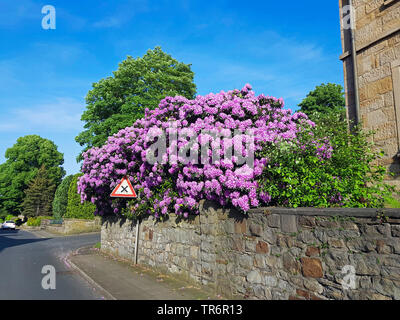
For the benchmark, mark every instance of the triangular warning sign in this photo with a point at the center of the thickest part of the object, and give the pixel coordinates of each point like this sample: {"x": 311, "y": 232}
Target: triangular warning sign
{"x": 124, "y": 189}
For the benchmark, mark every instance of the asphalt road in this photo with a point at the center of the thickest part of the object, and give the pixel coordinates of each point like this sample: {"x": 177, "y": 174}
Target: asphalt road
{"x": 22, "y": 257}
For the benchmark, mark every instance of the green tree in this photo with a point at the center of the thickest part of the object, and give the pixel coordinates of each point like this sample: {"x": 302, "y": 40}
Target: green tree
{"x": 22, "y": 164}
{"x": 325, "y": 98}
{"x": 3, "y": 213}
{"x": 60, "y": 201}
{"x": 39, "y": 195}
{"x": 76, "y": 209}
{"x": 116, "y": 102}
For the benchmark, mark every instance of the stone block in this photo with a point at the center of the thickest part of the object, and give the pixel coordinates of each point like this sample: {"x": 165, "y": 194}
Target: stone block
{"x": 259, "y": 292}
{"x": 360, "y": 245}
{"x": 376, "y": 88}
{"x": 269, "y": 235}
{"x": 392, "y": 273}
{"x": 382, "y": 248}
{"x": 245, "y": 261}
{"x": 290, "y": 264}
{"x": 376, "y": 231}
{"x": 307, "y": 237}
{"x": 273, "y": 262}
{"x": 284, "y": 285}
{"x": 313, "y": 285}
{"x": 336, "y": 259}
{"x": 396, "y": 231}
{"x": 240, "y": 226}
{"x": 288, "y": 223}
{"x": 194, "y": 252}
{"x": 311, "y": 267}
{"x": 375, "y": 75}
{"x": 270, "y": 281}
{"x": 365, "y": 264}
{"x": 250, "y": 245}
{"x": 254, "y": 277}
{"x": 372, "y": 5}
{"x": 284, "y": 241}
{"x": 229, "y": 226}
{"x": 255, "y": 229}
{"x": 303, "y": 293}
{"x": 306, "y": 221}
{"x": 148, "y": 236}
{"x": 262, "y": 247}
{"x": 274, "y": 220}
{"x": 312, "y": 252}
{"x": 238, "y": 244}
{"x": 259, "y": 261}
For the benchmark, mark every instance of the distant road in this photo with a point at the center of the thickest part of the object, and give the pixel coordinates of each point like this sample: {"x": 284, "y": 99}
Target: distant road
{"x": 22, "y": 257}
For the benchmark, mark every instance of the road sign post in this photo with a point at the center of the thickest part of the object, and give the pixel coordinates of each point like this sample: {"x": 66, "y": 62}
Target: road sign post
{"x": 125, "y": 190}
{"x": 137, "y": 240}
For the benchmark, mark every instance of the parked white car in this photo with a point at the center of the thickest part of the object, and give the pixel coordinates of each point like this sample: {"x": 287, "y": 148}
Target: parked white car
{"x": 8, "y": 225}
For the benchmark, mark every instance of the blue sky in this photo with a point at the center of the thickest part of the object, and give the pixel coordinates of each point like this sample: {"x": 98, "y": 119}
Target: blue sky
{"x": 282, "y": 48}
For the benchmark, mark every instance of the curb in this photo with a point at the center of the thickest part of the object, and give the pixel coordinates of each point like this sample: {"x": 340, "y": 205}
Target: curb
{"x": 108, "y": 295}
{"x": 42, "y": 233}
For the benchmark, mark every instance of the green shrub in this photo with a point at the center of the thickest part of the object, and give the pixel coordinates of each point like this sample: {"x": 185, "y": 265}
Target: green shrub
{"x": 97, "y": 245}
{"x": 34, "y": 221}
{"x": 10, "y": 217}
{"x": 76, "y": 209}
{"x": 392, "y": 203}
{"x": 1, "y": 221}
{"x": 60, "y": 201}
{"x": 295, "y": 177}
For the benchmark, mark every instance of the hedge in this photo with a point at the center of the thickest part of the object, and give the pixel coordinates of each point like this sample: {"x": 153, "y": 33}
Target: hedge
{"x": 76, "y": 209}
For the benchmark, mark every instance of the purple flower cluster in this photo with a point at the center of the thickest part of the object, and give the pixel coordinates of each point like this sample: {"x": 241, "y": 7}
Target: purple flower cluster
{"x": 226, "y": 181}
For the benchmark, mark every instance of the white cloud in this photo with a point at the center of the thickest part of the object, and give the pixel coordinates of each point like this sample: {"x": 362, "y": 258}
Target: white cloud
{"x": 8, "y": 127}
{"x": 109, "y": 22}
{"x": 122, "y": 14}
{"x": 16, "y": 13}
{"x": 59, "y": 115}
{"x": 275, "y": 64}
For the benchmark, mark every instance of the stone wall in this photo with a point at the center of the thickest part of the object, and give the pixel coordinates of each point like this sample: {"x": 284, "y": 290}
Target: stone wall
{"x": 72, "y": 226}
{"x": 377, "y": 41}
{"x": 273, "y": 253}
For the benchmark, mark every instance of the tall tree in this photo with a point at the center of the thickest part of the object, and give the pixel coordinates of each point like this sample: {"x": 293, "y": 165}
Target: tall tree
{"x": 116, "y": 102}
{"x": 23, "y": 161}
{"x": 39, "y": 195}
{"x": 324, "y": 98}
{"x": 61, "y": 198}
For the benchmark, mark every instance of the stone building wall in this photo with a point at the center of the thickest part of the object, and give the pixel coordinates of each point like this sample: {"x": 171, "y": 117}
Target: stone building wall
{"x": 377, "y": 42}
{"x": 273, "y": 253}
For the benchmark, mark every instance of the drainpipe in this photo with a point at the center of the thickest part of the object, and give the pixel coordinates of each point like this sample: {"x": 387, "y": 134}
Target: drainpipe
{"x": 354, "y": 61}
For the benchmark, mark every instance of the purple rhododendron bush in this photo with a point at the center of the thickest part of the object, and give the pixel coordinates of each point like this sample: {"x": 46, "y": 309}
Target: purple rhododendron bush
{"x": 228, "y": 147}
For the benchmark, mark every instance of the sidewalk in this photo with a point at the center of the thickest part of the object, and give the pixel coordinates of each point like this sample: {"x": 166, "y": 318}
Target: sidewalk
{"x": 121, "y": 280}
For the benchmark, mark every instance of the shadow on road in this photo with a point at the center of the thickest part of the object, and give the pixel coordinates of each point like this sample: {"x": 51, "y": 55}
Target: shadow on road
{"x": 9, "y": 238}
